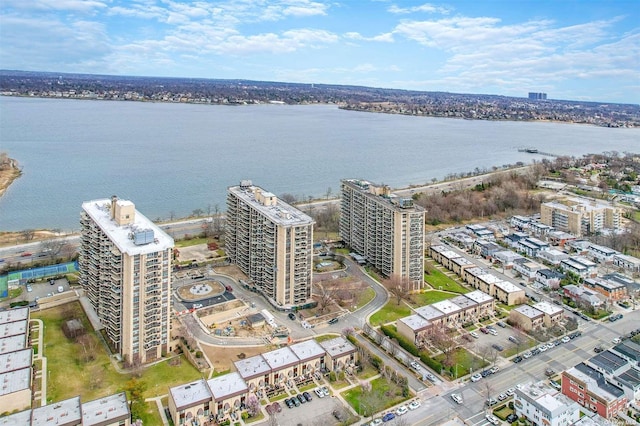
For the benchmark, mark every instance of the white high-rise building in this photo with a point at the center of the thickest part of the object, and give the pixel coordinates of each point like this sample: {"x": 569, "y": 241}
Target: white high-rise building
{"x": 271, "y": 242}
{"x": 125, "y": 269}
{"x": 386, "y": 229}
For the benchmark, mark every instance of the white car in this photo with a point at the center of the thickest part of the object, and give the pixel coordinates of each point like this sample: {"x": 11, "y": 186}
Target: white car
{"x": 474, "y": 335}
{"x": 543, "y": 348}
{"x": 319, "y": 392}
{"x": 492, "y": 419}
{"x": 527, "y": 355}
{"x": 457, "y": 398}
{"x": 492, "y": 331}
{"x": 511, "y": 391}
{"x": 551, "y": 345}
{"x": 616, "y": 340}
{"x": 414, "y": 405}
{"x": 415, "y": 365}
{"x": 476, "y": 377}
{"x": 376, "y": 422}
{"x": 565, "y": 339}
{"x": 402, "y": 410}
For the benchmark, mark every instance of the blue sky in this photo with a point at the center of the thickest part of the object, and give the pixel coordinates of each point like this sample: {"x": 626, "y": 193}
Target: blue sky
{"x": 581, "y": 50}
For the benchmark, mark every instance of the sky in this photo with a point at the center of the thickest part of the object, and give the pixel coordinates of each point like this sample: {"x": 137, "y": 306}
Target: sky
{"x": 570, "y": 49}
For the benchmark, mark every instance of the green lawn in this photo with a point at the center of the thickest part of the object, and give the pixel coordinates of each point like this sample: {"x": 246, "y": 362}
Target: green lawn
{"x": 390, "y": 312}
{"x": 439, "y": 281}
{"x": 324, "y": 337}
{"x": 191, "y": 242}
{"x": 529, "y": 343}
{"x": 385, "y": 394}
{"x": 69, "y": 375}
{"x": 365, "y": 297}
{"x": 429, "y": 297}
{"x": 464, "y": 360}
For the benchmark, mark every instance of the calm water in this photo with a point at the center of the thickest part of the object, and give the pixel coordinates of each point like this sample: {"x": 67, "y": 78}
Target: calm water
{"x": 178, "y": 158}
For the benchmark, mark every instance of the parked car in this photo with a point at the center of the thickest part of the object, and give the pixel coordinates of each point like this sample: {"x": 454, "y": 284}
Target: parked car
{"x": 549, "y": 372}
{"x": 289, "y": 403}
{"x": 492, "y": 331}
{"x": 616, "y": 340}
{"x": 333, "y": 320}
{"x": 476, "y": 377}
{"x": 512, "y": 418}
{"x": 414, "y": 365}
{"x": 510, "y": 391}
{"x": 484, "y": 330}
{"x": 513, "y": 339}
{"x": 485, "y": 373}
{"x": 502, "y": 397}
{"x": 492, "y": 419}
{"x": 527, "y": 354}
{"x": 388, "y": 417}
{"x": 430, "y": 377}
{"x": 291, "y": 316}
{"x": 517, "y": 359}
{"x": 376, "y": 422}
{"x": 295, "y": 401}
{"x": 338, "y": 415}
{"x": 566, "y": 339}
{"x": 307, "y": 396}
{"x": 402, "y": 410}
{"x": 494, "y": 369}
{"x": 491, "y": 402}
{"x": 598, "y": 349}
{"x": 319, "y": 392}
{"x": 29, "y": 288}
{"x": 474, "y": 335}
{"x": 497, "y": 347}
{"x": 325, "y": 390}
{"x": 502, "y": 324}
{"x": 414, "y": 405}
{"x": 457, "y": 398}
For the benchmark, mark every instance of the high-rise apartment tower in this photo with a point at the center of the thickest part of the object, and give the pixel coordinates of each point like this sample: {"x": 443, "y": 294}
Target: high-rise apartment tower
{"x": 271, "y": 242}
{"x": 125, "y": 269}
{"x": 386, "y": 229}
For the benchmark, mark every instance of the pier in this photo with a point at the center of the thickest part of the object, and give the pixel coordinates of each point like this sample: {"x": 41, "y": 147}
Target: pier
{"x": 536, "y": 151}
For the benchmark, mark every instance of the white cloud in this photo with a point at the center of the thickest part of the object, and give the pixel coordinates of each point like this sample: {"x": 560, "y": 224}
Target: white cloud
{"x": 385, "y": 37}
{"x": 426, "y": 8}
{"x": 306, "y": 9}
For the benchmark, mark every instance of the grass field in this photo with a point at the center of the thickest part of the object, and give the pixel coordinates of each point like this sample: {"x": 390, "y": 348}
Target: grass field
{"x": 70, "y": 375}
{"x": 365, "y": 297}
{"x": 429, "y": 297}
{"x": 386, "y": 395}
{"x": 390, "y": 312}
{"x": 439, "y": 281}
{"x": 464, "y": 360}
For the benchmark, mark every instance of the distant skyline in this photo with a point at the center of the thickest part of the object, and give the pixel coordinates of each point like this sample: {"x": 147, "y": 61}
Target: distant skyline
{"x": 571, "y": 49}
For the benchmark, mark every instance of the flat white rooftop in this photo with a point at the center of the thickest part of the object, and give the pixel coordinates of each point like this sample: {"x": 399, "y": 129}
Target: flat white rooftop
{"x": 110, "y": 408}
{"x": 280, "y": 213}
{"x": 15, "y": 360}
{"x": 415, "y": 322}
{"x": 337, "y": 347}
{"x": 15, "y": 328}
{"x": 508, "y": 287}
{"x": 548, "y": 308}
{"x": 429, "y": 312}
{"x": 252, "y": 367}
{"x": 280, "y": 358}
{"x": 99, "y": 211}
{"x": 58, "y": 413}
{"x": 226, "y": 386}
{"x": 447, "y": 307}
{"x": 309, "y": 349}
{"x": 528, "y": 311}
{"x": 13, "y": 343}
{"x": 16, "y": 314}
{"x": 21, "y": 418}
{"x": 191, "y": 393}
{"x": 14, "y": 381}
{"x": 479, "y": 297}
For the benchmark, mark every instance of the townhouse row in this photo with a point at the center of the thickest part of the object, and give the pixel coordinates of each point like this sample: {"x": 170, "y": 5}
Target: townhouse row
{"x": 258, "y": 375}
{"x": 483, "y": 280}
{"x": 455, "y": 312}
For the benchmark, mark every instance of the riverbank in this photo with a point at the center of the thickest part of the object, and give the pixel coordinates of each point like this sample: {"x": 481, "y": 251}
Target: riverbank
{"x": 9, "y": 171}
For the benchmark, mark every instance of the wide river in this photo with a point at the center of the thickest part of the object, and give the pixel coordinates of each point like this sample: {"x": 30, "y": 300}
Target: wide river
{"x": 171, "y": 159}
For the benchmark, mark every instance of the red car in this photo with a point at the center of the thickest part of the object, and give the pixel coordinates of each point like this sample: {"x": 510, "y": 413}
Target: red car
{"x": 25, "y": 254}
{"x": 484, "y": 330}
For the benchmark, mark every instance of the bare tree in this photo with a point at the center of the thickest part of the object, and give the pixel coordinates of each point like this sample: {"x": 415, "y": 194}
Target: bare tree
{"x": 398, "y": 287}
{"x": 443, "y": 338}
{"x": 28, "y": 234}
{"x": 53, "y": 247}
{"x": 325, "y": 297}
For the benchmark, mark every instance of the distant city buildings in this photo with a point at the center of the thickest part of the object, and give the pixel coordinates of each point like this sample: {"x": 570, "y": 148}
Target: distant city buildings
{"x": 272, "y": 243}
{"x": 386, "y": 229}
{"x": 125, "y": 270}
{"x": 537, "y": 96}
{"x": 580, "y": 217}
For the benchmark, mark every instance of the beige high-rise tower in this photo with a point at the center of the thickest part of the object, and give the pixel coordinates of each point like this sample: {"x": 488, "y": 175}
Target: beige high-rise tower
{"x": 125, "y": 269}
{"x": 386, "y": 229}
{"x": 271, "y": 242}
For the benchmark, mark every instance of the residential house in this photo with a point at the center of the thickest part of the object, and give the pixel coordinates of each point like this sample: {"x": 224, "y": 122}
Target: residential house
{"x": 626, "y": 262}
{"x": 541, "y": 405}
{"x": 601, "y": 254}
{"x": 580, "y": 266}
{"x": 527, "y": 268}
{"x": 549, "y": 278}
{"x": 527, "y": 317}
{"x": 552, "y": 314}
{"x": 609, "y": 289}
{"x": 588, "y": 387}
{"x": 552, "y": 256}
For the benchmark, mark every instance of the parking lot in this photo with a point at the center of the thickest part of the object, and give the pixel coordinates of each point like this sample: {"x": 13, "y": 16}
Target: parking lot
{"x": 315, "y": 412}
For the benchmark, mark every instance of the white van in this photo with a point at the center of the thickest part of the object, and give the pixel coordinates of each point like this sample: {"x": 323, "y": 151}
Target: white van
{"x": 60, "y": 289}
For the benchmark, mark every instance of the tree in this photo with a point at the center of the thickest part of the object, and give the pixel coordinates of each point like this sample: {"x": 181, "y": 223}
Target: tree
{"x": 53, "y": 247}
{"x": 328, "y": 193}
{"x": 288, "y": 198}
{"x": 325, "y": 297}
{"x": 197, "y": 212}
{"x": 253, "y": 405}
{"x": 136, "y": 388}
{"x": 398, "y": 287}
{"x": 443, "y": 338}
{"x": 28, "y": 234}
